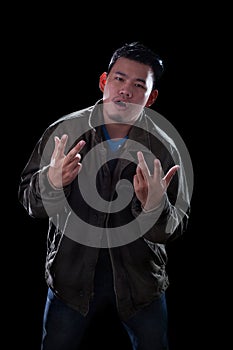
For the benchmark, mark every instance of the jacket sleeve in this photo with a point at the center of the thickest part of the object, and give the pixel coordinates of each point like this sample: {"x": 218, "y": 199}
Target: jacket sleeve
{"x": 35, "y": 193}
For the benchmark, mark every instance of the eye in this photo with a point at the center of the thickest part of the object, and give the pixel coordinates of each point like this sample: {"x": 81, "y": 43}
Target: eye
{"x": 140, "y": 86}
{"x": 119, "y": 78}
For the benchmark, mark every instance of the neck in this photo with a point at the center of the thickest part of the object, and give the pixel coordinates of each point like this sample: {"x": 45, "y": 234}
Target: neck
{"x": 118, "y": 131}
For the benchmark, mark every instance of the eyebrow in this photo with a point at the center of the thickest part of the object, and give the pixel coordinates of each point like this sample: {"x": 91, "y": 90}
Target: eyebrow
{"x": 125, "y": 75}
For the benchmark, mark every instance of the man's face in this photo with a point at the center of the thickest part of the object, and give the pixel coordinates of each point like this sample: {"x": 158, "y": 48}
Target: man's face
{"x": 126, "y": 91}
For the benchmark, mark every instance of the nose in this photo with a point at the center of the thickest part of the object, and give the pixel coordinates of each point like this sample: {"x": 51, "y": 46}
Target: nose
{"x": 126, "y": 91}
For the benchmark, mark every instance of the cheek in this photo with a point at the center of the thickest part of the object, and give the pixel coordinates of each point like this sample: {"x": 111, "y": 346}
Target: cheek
{"x": 146, "y": 98}
{"x": 109, "y": 91}
{"x": 141, "y": 98}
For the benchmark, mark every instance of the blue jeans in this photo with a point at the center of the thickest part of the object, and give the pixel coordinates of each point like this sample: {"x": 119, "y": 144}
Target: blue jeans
{"x": 64, "y": 328}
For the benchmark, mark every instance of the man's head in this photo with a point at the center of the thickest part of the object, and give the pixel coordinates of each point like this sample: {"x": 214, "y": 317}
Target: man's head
{"x": 129, "y": 83}
{"x": 138, "y": 52}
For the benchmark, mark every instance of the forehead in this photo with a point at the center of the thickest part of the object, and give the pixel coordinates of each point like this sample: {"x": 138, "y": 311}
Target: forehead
{"x": 132, "y": 69}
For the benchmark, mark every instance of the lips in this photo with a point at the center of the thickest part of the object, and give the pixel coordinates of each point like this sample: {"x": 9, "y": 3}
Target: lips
{"x": 120, "y": 103}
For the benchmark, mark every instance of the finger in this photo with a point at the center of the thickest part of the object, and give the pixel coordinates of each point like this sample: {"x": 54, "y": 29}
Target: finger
{"x": 136, "y": 183}
{"x": 139, "y": 178}
{"x": 171, "y": 172}
{"x": 61, "y": 144}
{"x": 158, "y": 171}
{"x": 80, "y": 145}
{"x": 142, "y": 164}
{"x": 56, "y": 142}
{"x": 140, "y": 175}
{"x": 135, "y": 180}
{"x": 74, "y": 153}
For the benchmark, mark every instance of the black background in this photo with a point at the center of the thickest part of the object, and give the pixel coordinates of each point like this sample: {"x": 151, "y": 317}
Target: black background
{"x": 55, "y": 63}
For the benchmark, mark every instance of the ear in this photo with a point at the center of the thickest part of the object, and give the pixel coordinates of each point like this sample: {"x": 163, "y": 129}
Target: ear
{"x": 153, "y": 96}
{"x": 102, "y": 81}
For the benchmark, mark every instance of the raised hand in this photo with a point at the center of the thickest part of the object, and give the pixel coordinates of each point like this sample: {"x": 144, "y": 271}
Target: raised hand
{"x": 149, "y": 188}
{"x": 64, "y": 168}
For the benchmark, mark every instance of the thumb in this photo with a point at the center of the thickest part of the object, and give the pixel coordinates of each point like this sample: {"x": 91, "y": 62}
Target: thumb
{"x": 171, "y": 172}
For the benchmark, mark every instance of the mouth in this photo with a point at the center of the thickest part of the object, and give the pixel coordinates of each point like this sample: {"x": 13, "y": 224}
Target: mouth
{"x": 120, "y": 103}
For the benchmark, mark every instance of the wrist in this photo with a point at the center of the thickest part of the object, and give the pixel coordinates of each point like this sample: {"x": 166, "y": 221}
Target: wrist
{"x": 52, "y": 185}
{"x": 148, "y": 209}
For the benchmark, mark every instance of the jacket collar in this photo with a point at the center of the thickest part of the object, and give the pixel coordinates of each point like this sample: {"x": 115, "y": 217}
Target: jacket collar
{"x": 139, "y": 132}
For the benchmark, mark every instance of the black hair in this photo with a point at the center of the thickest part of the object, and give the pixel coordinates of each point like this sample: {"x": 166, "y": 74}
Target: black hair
{"x": 136, "y": 51}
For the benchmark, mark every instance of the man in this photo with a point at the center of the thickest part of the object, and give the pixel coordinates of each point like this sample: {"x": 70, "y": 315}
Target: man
{"x": 114, "y": 189}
